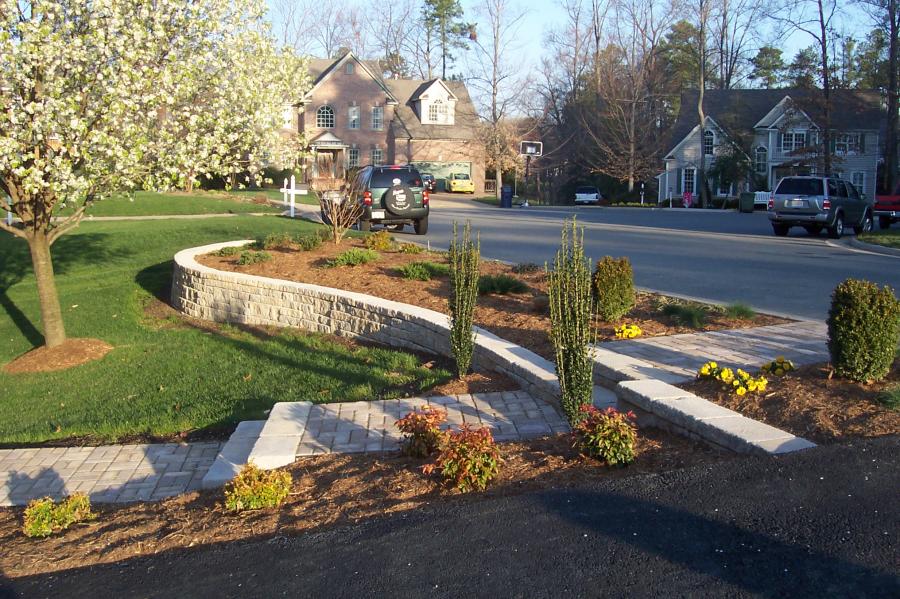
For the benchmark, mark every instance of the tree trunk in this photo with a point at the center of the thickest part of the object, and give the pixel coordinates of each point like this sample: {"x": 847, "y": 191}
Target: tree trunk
{"x": 499, "y": 178}
{"x": 826, "y": 91}
{"x": 890, "y": 161}
{"x": 51, "y": 314}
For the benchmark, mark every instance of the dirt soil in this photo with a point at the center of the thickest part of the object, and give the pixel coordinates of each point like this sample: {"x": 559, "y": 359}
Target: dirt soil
{"x": 520, "y": 318}
{"x": 73, "y": 352}
{"x": 809, "y": 403}
{"x": 330, "y": 490}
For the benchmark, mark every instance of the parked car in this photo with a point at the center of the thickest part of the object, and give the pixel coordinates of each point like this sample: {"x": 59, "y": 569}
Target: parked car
{"x": 392, "y": 195}
{"x": 587, "y": 195}
{"x": 460, "y": 183}
{"x": 887, "y": 208}
{"x": 817, "y": 203}
{"x": 429, "y": 182}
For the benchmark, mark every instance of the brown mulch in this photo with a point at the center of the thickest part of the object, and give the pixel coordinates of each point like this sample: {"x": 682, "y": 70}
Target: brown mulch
{"x": 328, "y": 491}
{"x": 73, "y": 352}
{"x": 810, "y": 403}
{"x": 520, "y": 318}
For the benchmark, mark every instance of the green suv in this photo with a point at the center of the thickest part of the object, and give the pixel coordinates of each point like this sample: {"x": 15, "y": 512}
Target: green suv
{"x": 391, "y": 195}
{"x": 817, "y": 203}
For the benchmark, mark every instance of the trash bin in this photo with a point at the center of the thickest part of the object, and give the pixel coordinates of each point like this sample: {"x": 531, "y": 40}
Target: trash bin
{"x": 745, "y": 203}
{"x": 506, "y": 193}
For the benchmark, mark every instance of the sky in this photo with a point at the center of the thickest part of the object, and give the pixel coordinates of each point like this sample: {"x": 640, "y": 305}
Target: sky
{"x": 543, "y": 16}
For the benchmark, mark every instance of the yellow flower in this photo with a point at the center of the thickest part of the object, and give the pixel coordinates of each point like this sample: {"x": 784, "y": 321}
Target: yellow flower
{"x": 779, "y": 359}
{"x": 779, "y": 371}
{"x": 713, "y": 365}
{"x": 741, "y": 391}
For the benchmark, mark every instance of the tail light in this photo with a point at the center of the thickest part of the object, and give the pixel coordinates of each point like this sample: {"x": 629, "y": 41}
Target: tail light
{"x": 771, "y": 202}
{"x": 367, "y": 198}
{"x": 425, "y": 197}
{"x": 826, "y": 204}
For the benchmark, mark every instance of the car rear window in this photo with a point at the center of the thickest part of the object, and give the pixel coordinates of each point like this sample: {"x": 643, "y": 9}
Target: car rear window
{"x": 461, "y": 177}
{"x": 382, "y": 179}
{"x": 586, "y": 190}
{"x": 800, "y": 187}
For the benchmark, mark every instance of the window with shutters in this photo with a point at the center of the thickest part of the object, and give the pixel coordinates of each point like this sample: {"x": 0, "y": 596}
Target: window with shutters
{"x": 709, "y": 143}
{"x": 791, "y": 141}
{"x": 688, "y": 182}
{"x": 846, "y": 144}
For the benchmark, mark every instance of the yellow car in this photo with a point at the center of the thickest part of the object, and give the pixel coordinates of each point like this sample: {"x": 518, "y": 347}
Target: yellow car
{"x": 461, "y": 183}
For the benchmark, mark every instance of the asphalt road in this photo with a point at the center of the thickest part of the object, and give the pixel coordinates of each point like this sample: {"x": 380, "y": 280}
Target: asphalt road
{"x": 720, "y": 256}
{"x": 819, "y": 523}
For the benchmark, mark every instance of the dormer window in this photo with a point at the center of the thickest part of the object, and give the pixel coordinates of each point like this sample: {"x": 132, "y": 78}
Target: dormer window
{"x": 437, "y": 113}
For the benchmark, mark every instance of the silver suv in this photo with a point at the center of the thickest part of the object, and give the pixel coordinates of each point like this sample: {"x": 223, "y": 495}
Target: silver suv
{"x": 817, "y": 203}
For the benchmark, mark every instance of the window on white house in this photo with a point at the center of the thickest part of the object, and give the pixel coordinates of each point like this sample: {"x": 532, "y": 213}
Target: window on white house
{"x": 688, "y": 183}
{"x": 858, "y": 178}
{"x": 378, "y": 118}
{"x": 437, "y": 112}
{"x": 762, "y": 160}
{"x": 377, "y": 156}
{"x": 792, "y": 141}
{"x": 325, "y": 117}
{"x": 353, "y": 158}
{"x": 353, "y": 117}
{"x": 846, "y": 144}
{"x": 709, "y": 143}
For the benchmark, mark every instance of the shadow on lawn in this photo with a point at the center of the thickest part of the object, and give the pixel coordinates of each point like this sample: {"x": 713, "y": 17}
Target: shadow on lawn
{"x": 15, "y": 266}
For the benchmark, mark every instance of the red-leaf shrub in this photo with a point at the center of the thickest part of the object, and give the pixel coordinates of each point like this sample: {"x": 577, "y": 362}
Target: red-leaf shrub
{"x": 468, "y": 460}
{"x": 422, "y": 435}
{"x": 607, "y": 435}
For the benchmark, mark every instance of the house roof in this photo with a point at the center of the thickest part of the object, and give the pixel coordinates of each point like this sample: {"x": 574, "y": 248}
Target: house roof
{"x": 321, "y": 68}
{"x": 737, "y": 111}
{"x": 408, "y": 125}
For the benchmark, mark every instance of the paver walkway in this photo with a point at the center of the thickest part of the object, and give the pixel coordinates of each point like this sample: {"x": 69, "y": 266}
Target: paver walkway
{"x": 369, "y": 425}
{"x": 681, "y": 355}
{"x": 112, "y": 473}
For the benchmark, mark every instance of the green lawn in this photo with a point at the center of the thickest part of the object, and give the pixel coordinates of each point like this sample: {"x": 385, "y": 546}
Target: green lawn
{"x": 147, "y": 203}
{"x": 888, "y": 237}
{"x": 165, "y": 376}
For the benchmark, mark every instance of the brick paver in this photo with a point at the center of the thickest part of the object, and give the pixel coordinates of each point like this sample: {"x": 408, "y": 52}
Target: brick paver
{"x": 682, "y": 355}
{"x": 114, "y": 473}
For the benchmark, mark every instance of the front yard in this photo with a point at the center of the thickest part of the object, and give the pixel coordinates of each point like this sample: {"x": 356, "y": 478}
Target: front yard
{"x": 888, "y": 237}
{"x": 166, "y": 375}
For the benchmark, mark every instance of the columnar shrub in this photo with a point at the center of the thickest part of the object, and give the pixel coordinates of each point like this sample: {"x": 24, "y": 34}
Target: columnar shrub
{"x": 464, "y": 257}
{"x": 468, "y": 460}
{"x": 254, "y": 489}
{"x": 43, "y": 517}
{"x": 607, "y": 435}
{"x": 422, "y": 434}
{"x": 863, "y": 330}
{"x": 613, "y": 286}
{"x": 571, "y": 327}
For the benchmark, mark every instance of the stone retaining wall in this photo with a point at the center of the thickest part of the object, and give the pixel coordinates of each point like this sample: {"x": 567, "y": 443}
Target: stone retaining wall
{"x": 220, "y": 296}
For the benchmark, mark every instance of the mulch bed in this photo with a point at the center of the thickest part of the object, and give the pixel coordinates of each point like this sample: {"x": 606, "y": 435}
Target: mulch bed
{"x": 520, "y": 318}
{"x": 73, "y": 352}
{"x": 331, "y": 490}
{"x": 810, "y": 403}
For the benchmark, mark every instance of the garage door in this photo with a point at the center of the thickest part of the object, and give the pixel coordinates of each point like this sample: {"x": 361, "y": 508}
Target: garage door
{"x": 442, "y": 170}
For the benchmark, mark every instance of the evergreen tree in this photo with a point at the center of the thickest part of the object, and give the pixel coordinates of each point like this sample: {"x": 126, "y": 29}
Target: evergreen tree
{"x": 803, "y": 70}
{"x": 768, "y": 67}
{"x": 444, "y": 18}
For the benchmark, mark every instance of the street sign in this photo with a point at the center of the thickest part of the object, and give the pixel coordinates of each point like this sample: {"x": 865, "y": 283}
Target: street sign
{"x": 531, "y": 148}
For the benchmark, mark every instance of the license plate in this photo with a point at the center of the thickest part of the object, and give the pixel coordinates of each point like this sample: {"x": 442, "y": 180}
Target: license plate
{"x": 378, "y": 214}
{"x": 797, "y": 203}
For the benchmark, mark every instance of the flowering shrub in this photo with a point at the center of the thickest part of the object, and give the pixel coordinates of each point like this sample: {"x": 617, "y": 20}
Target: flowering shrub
{"x": 43, "y": 517}
{"x": 779, "y": 366}
{"x": 422, "y": 431}
{"x": 608, "y": 435}
{"x": 469, "y": 459}
{"x": 254, "y": 489}
{"x": 628, "y": 331}
{"x": 738, "y": 381}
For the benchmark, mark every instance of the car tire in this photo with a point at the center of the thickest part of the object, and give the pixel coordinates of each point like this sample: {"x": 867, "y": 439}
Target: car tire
{"x": 866, "y": 225}
{"x": 836, "y": 230}
{"x": 884, "y": 222}
{"x": 780, "y": 230}
{"x": 365, "y": 225}
{"x": 813, "y": 230}
{"x": 421, "y": 226}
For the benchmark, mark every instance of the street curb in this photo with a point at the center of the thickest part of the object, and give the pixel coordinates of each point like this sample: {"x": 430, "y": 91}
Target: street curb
{"x": 874, "y": 248}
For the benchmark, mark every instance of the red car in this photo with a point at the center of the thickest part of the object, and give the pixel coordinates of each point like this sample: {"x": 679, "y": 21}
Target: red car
{"x": 887, "y": 208}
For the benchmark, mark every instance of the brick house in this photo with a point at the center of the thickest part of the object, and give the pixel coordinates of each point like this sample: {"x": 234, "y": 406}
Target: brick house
{"x": 353, "y": 117}
{"x": 779, "y": 130}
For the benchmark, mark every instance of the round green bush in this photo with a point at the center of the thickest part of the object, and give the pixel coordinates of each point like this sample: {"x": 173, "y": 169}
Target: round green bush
{"x": 613, "y": 287}
{"x": 863, "y": 330}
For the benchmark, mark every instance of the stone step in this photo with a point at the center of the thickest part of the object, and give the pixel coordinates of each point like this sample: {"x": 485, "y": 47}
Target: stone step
{"x": 234, "y": 454}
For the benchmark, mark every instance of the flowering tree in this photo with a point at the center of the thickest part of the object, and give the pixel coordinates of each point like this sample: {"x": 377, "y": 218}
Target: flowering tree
{"x": 87, "y": 88}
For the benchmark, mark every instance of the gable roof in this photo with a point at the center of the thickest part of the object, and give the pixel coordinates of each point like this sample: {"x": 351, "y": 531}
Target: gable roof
{"x": 426, "y": 86}
{"x": 408, "y": 125}
{"x": 737, "y": 111}
{"x": 320, "y": 69}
